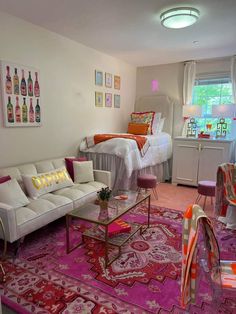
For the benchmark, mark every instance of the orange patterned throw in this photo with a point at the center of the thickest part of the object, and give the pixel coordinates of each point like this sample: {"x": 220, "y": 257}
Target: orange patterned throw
{"x": 141, "y": 141}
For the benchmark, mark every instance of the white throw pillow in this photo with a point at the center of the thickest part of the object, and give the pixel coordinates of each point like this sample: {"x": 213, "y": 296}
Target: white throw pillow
{"x": 12, "y": 194}
{"x": 44, "y": 183}
{"x": 155, "y": 123}
{"x": 160, "y": 126}
{"x": 83, "y": 171}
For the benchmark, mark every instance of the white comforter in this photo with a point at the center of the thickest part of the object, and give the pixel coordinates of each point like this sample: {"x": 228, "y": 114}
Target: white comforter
{"x": 160, "y": 150}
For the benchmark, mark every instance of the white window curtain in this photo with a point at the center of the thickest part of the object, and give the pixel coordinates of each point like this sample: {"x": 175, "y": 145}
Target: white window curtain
{"x": 189, "y": 79}
{"x": 233, "y": 77}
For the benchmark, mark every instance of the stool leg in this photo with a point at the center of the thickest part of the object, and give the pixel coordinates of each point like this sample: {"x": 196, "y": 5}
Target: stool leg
{"x": 204, "y": 204}
{"x": 155, "y": 193}
{"x": 198, "y": 198}
{"x": 211, "y": 200}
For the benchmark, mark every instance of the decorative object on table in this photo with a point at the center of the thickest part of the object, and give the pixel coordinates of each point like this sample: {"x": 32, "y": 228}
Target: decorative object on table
{"x": 108, "y": 80}
{"x": 103, "y": 196}
{"x": 203, "y": 135}
{"x": 108, "y": 100}
{"x": 98, "y": 99}
{"x": 222, "y": 112}
{"x": 98, "y": 78}
{"x": 116, "y": 82}
{"x": 116, "y": 101}
{"x": 192, "y": 111}
{"x": 20, "y": 95}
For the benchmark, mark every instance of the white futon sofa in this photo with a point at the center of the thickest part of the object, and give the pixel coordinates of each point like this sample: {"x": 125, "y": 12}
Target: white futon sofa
{"x": 48, "y": 207}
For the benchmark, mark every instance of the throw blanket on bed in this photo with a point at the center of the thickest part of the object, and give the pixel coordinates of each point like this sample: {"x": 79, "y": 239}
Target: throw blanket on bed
{"x": 193, "y": 216}
{"x": 142, "y": 142}
{"x": 225, "y": 188}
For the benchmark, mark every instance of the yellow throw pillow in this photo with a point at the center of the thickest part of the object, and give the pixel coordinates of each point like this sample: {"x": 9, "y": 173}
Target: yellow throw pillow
{"x": 44, "y": 183}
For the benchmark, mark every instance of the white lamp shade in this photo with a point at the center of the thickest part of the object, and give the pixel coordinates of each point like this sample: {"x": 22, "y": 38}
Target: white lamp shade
{"x": 192, "y": 111}
{"x": 224, "y": 111}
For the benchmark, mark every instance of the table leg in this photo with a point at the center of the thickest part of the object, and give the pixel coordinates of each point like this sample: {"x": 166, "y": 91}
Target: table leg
{"x": 106, "y": 246}
{"x": 68, "y": 248}
{"x": 149, "y": 209}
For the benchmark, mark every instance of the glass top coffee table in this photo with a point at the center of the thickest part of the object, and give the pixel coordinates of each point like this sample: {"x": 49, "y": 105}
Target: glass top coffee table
{"x": 116, "y": 209}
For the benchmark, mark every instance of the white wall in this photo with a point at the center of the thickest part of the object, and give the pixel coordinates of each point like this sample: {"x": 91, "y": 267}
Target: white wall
{"x": 170, "y": 79}
{"x": 68, "y": 92}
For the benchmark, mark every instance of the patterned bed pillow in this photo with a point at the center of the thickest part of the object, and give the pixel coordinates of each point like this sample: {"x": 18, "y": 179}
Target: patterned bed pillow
{"x": 143, "y": 117}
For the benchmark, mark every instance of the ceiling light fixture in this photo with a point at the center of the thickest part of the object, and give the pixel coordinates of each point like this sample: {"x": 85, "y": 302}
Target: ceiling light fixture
{"x": 179, "y": 17}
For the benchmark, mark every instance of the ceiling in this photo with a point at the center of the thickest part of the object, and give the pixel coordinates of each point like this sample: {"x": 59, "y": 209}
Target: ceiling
{"x": 130, "y": 29}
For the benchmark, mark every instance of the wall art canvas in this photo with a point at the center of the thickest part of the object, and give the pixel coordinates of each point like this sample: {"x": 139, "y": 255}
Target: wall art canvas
{"x": 108, "y": 80}
{"x": 98, "y": 77}
{"x": 21, "y": 95}
{"x": 108, "y": 100}
{"x": 116, "y": 82}
{"x": 98, "y": 99}
{"x": 117, "y": 101}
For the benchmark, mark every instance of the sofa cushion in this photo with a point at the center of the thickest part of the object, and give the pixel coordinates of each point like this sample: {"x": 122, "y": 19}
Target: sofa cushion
{"x": 58, "y": 200}
{"x": 24, "y": 214}
{"x": 44, "y": 183}
{"x": 83, "y": 171}
{"x": 12, "y": 194}
{"x": 72, "y": 194}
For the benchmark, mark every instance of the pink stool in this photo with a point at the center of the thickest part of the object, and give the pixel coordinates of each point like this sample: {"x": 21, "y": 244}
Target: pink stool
{"x": 147, "y": 181}
{"x": 206, "y": 188}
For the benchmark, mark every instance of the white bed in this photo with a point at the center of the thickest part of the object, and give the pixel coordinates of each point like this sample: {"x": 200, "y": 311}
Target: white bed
{"x": 122, "y": 157}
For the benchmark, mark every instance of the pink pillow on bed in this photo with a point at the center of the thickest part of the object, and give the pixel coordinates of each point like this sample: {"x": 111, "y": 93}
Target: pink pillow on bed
{"x": 4, "y": 179}
{"x": 69, "y": 164}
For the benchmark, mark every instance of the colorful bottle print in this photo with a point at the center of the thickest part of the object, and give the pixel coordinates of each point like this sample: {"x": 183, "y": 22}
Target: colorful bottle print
{"x": 8, "y": 81}
{"x": 16, "y": 83}
{"x": 36, "y": 86}
{"x": 17, "y": 111}
{"x": 23, "y": 88}
{"x": 10, "y": 114}
{"x": 24, "y": 112}
{"x": 30, "y": 85}
{"x": 37, "y": 112}
{"x": 31, "y": 112}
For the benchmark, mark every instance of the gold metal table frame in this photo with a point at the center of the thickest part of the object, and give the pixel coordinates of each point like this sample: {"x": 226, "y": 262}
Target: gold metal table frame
{"x": 117, "y": 208}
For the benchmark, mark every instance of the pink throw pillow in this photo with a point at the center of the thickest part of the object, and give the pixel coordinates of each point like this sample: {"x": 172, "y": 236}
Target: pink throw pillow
{"x": 69, "y": 165}
{"x": 5, "y": 179}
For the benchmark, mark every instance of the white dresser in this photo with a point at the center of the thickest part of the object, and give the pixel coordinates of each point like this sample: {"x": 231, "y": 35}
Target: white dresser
{"x": 198, "y": 159}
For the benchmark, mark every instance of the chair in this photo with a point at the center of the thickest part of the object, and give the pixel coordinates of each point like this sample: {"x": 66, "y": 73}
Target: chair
{"x": 203, "y": 255}
{"x": 226, "y": 193}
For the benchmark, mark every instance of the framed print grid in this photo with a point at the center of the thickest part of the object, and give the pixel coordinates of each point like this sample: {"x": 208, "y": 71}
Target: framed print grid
{"x": 98, "y": 99}
{"x": 21, "y": 95}
{"x": 108, "y": 99}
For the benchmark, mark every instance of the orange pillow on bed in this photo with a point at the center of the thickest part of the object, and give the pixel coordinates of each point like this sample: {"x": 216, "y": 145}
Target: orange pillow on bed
{"x": 138, "y": 128}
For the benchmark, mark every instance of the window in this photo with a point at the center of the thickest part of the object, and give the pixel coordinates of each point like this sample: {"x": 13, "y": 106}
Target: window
{"x": 208, "y": 92}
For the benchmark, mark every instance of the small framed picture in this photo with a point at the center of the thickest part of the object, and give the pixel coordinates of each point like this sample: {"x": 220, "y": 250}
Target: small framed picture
{"x": 98, "y": 99}
{"x": 108, "y": 80}
{"x": 116, "y": 82}
{"x": 116, "y": 101}
{"x": 98, "y": 78}
{"x": 108, "y": 100}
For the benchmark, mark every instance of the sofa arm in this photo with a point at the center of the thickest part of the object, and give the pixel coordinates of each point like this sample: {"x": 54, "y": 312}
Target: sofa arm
{"x": 103, "y": 177}
{"x": 8, "y": 216}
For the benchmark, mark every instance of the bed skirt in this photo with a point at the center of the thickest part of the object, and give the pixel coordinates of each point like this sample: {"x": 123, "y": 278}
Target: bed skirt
{"x": 119, "y": 178}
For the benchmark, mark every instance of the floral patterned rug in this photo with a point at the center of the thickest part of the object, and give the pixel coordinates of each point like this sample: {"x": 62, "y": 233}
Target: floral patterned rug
{"x": 144, "y": 279}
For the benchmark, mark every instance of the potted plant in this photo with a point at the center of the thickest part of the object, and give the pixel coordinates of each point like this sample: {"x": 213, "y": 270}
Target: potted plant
{"x": 103, "y": 197}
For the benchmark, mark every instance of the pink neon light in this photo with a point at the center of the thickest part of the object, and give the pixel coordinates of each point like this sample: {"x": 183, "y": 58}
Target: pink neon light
{"x": 155, "y": 85}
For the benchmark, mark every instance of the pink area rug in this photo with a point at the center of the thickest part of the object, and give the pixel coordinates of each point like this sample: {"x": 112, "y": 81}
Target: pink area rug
{"x": 145, "y": 279}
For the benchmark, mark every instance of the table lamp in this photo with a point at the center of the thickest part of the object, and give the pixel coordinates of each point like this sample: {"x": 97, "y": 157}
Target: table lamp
{"x": 192, "y": 111}
{"x": 222, "y": 112}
